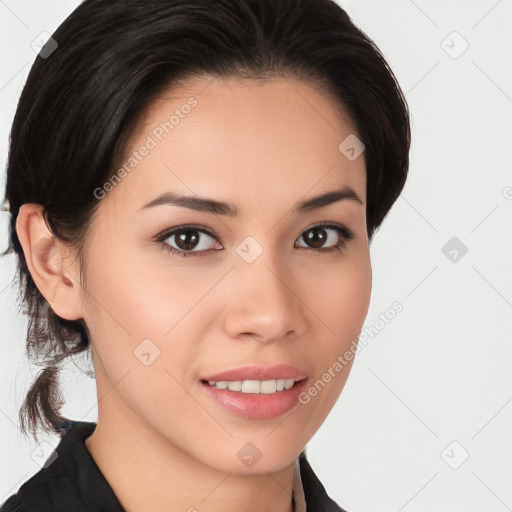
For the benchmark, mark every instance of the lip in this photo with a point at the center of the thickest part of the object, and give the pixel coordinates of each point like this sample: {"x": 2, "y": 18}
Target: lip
{"x": 278, "y": 371}
{"x": 255, "y": 406}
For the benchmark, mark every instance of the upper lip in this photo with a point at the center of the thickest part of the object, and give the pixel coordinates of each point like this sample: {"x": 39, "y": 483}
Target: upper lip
{"x": 279, "y": 371}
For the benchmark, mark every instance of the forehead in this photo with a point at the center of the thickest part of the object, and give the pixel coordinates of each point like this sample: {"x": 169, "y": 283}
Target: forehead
{"x": 231, "y": 138}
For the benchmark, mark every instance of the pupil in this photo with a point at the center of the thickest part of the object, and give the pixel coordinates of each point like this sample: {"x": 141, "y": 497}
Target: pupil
{"x": 316, "y": 240}
{"x": 184, "y": 239}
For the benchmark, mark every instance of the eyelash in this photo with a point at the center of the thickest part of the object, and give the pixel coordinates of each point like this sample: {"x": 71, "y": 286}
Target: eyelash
{"x": 345, "y": 236}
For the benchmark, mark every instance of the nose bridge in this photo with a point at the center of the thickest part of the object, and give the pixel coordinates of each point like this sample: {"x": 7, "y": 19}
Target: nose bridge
{"x": 261, "y": 299}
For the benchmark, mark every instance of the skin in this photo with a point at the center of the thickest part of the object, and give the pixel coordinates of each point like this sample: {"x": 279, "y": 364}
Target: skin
{"x": 160, "y": 442}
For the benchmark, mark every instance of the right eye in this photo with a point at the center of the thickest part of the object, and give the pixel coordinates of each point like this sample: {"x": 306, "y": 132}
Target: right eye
{"x": 188, "y": 240}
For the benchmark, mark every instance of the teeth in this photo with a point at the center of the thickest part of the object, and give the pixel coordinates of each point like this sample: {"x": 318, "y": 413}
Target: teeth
{"x": 266, "y": 387}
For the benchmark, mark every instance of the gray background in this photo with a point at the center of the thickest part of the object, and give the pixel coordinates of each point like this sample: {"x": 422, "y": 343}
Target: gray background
{"x": 421, "y": 422}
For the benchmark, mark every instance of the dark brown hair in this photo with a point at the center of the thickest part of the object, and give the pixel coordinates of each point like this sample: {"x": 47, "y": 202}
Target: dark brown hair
{"x": 81, "y": 103}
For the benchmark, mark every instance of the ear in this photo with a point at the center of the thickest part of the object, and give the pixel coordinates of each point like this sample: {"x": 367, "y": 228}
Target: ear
{"x": 54, "y": 273}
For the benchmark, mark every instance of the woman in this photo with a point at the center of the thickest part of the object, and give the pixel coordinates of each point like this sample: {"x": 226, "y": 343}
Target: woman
{"x": 193, "y": 188}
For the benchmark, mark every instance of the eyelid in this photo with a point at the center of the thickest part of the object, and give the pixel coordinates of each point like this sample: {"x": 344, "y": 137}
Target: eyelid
{"x": 348, "y": 233}
{"x": 170, "y": 231}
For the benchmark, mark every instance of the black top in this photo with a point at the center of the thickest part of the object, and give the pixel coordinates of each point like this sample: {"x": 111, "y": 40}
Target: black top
{"x": 73, "y": 482}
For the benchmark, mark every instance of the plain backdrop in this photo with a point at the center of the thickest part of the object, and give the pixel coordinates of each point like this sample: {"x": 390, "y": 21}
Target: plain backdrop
{"x": 425, "y": 418}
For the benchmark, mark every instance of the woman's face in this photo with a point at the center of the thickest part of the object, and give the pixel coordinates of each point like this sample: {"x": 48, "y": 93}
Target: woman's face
{"x": 257, "y": 287}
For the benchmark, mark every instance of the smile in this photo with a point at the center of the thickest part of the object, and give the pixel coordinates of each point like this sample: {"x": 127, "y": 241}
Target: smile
{"x": 266, "y": 387}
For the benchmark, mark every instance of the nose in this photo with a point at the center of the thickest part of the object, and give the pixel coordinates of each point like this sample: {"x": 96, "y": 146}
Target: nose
{"x": 262, "y": 301}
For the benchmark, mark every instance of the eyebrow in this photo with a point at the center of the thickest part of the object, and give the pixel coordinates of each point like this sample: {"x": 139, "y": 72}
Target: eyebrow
{"x": 202, "y": 204}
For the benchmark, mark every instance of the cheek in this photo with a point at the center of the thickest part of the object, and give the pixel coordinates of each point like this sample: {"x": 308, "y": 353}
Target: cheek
{"x": 144, "y": 325}
{"x": 341, "y": 299}
{"x": 341, "y": 304}
{"x": 137, "y": 318}
{"x": 139, "y": 297}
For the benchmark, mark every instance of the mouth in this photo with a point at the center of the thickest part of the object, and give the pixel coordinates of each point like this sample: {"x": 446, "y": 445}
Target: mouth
{"x": 264, "y": 387}
{"x": 255, "y": 399}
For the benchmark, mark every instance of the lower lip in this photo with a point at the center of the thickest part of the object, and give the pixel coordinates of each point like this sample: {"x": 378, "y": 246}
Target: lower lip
{"x": 257, "y": 405}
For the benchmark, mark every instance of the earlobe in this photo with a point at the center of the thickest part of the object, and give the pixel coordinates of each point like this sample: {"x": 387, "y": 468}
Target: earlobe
{"x": 45, "y": 257}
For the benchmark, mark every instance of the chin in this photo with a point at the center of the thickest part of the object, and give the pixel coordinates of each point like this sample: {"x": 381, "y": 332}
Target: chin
{"x": 243, "y": 457}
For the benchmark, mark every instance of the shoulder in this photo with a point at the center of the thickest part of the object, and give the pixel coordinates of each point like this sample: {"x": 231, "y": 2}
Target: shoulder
{"x": 317, "y": 499}
{"x": 55, "y": 486}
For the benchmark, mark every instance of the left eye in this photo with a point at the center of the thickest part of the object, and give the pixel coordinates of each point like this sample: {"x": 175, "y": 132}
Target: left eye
{"x": 320, "y": 234}
{"x": 189, "y": 241}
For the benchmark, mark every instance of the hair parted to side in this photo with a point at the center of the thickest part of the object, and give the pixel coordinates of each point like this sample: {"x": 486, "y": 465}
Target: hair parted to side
{"x": 80, "y": 105}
